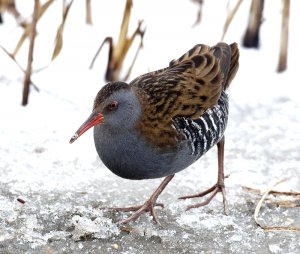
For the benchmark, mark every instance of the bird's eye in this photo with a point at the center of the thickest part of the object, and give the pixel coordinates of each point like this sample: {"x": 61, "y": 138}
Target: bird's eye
{"x": 112, "y": 106}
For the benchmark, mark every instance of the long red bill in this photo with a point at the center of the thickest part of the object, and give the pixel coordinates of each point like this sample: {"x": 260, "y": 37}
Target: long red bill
{"x": 94, "y": 119}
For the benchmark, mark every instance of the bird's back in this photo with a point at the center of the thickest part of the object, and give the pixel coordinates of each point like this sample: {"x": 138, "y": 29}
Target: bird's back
{"x": 186, "y": 89}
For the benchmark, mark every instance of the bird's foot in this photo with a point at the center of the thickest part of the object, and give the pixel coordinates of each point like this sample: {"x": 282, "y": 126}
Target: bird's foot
{"x": 148, "y": 206}
{"x": 213, "y": 192}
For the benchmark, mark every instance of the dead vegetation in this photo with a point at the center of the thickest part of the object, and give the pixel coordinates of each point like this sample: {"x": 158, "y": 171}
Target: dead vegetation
{"x": 200, "y": 10}
{"x": 117, "y": 52}
{"x": 27, "y": 79}
{"x": 10, "y": 7}
{"x": 284, "y": 38}
{"x": 252, "y": 33}
{"x": 251, "y": 36}
{"x": 118, "y": 49}
{"x": 288, "y": 203}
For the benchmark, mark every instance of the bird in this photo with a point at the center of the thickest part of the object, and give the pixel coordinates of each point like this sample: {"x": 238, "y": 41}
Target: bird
{"x": 163, "y": 121}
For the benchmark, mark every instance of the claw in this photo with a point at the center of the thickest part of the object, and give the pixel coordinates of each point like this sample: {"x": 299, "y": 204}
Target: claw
{"x": 148, "y": 206}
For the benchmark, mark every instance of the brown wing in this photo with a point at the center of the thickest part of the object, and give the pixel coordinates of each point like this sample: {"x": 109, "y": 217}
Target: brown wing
{"x": 229, "y": 57}
{"x": 196, "y": 50}
{"x": 188, "y": 87}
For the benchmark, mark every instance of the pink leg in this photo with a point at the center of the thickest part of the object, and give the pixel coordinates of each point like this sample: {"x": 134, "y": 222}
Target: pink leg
{"x": 218, "y": 187}
{"x": 148, "y": 206}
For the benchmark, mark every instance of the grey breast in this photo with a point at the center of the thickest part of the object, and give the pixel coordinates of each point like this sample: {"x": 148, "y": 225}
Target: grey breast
{"x": 128, "y": 155}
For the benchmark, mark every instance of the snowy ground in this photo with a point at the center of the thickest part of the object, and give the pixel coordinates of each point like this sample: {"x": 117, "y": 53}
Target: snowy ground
{"x": 64, "y": 186}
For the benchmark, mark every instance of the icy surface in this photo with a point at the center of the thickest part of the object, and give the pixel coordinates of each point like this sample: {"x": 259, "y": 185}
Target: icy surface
{"x": 62, "y": 188}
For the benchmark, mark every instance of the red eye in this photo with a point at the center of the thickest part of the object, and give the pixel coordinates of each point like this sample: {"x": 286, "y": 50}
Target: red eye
{"x": 112, "y": 106}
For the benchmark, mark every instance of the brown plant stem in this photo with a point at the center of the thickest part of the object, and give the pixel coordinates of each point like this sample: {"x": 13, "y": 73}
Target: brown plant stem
{"x": 199, "y": 14}
{"x": 230, "y": 17}
{"x": 117, "y": 52}
{"x": 27, "y": 78}
{"x": 20, "y": 67}
{"x": 108, "y": 40}
{"x": 272, "y": 192}
{"x": 284, "y": 38}
{"x": 251, "y": 37}
{"x": 258, "y": 207}
{"x": 88, "y": 19}
{"x": 27, "y": 31}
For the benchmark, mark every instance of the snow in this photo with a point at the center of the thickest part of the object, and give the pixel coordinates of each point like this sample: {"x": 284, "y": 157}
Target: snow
{"x": 64, "y": 186}
{"x": 98, "y": 228}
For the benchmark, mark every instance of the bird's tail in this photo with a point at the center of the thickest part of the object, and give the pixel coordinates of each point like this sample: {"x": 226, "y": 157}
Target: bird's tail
{"x": 234, "y": 64}
{"x": 228, "y": 56}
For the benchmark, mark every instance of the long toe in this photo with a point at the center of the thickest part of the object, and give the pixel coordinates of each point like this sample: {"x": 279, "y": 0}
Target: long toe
{"x": 206, "y": 202}
{"x": 225, "y": 204}
{"x": 149, "y": 205}
{"x": 213, "y": 192}
{"x": 125, "y": 209}
{"x": 200, "y": 194}
{"x": 139, "y": 210}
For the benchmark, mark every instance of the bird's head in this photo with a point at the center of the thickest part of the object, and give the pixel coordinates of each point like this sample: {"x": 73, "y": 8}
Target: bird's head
{"x": 115, "y": 107}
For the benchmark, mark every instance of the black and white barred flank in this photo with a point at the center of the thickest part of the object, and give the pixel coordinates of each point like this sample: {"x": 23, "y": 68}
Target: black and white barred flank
{"x": 208, "y": 130}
